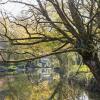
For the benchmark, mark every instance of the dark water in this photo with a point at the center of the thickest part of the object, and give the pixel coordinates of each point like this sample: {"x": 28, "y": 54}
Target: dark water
{"x": 20, "y": 88}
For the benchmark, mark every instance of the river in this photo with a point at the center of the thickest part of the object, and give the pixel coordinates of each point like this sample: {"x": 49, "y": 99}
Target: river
{"x": 18, "y": 87}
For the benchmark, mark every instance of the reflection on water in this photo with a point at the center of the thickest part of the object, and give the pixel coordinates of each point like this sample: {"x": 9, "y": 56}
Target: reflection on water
{"x": 18, "y": 87}
{"x": 83, "y": 96}
{"x": 88, "y": 96}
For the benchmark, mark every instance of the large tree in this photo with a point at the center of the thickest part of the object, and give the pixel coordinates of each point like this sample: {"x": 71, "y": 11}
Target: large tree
{"x": 70, "y": 25}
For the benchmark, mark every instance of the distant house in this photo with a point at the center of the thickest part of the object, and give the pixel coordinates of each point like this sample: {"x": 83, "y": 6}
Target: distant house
{"x": 3, "y": 45}
{"x": 46, "y": 69}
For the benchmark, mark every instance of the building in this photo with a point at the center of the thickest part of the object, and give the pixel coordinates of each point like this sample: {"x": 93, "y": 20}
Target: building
{"x": 3, "y": 46}
{"x": 45, "y": 70}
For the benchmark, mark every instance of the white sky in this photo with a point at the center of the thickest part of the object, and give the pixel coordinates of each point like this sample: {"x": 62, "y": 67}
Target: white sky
{"x": 13, "y": 8}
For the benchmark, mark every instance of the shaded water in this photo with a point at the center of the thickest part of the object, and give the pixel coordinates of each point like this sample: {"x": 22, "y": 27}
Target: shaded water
{"x": 18, "y": 87}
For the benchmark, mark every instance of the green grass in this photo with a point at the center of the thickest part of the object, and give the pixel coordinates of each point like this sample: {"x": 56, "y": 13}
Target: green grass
{"x": 83, "y": 68}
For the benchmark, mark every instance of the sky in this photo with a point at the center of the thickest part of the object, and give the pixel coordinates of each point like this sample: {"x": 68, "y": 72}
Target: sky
{"x": 13, "y": 8}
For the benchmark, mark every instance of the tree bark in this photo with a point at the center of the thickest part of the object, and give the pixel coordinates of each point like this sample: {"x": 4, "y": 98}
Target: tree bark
{"x": 92, "y": 61}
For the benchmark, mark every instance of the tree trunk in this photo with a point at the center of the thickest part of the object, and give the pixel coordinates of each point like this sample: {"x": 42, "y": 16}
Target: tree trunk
{"x": 92, "y": 61}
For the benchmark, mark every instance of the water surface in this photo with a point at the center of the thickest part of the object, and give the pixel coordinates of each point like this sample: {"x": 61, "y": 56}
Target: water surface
{"x": 19, "y": 87}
